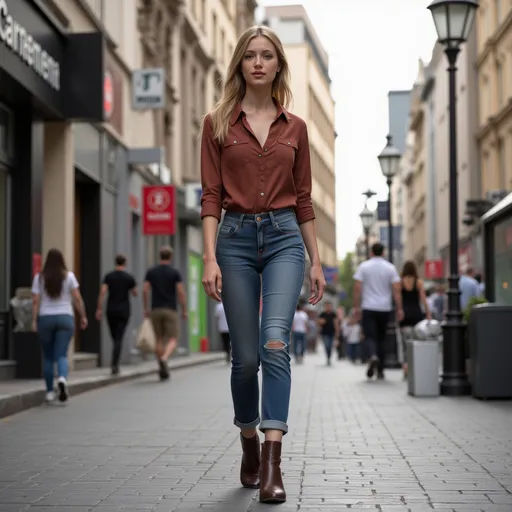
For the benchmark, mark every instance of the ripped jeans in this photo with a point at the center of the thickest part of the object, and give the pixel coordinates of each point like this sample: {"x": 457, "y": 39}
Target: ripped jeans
{"x": 260, "y": 254}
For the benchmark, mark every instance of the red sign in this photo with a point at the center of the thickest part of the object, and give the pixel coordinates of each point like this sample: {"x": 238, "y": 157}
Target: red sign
{"x": 36, "y": 263}
{"x": 434, "y": 269}
{"x": 159, "y": 210}
{"x": 108, "y": 95}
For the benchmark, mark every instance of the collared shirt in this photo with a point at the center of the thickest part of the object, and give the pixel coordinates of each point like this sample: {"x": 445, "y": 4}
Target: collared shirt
{"x": 469, "y": 288}
{"x": 242, "y": 176}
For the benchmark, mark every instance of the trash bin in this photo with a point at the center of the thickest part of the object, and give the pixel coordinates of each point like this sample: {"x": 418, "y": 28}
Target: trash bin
{"x": 26, "y": 345}
{"x": 490, "y": 342}
{"x": 423, "y": 367}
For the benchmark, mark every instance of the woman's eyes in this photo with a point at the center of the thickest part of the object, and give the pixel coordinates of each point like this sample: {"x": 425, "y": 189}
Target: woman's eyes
{"x": 268, "y": 56}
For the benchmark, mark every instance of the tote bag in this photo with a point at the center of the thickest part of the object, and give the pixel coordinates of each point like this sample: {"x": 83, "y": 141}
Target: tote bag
{"x": 146, "y": 341}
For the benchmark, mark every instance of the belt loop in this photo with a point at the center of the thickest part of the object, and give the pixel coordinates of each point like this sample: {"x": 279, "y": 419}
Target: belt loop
{"x": 272, "y": 219}
{"x": 241, "y": 219}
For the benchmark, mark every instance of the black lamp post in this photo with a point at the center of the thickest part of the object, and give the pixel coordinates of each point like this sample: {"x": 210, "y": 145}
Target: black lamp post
{"x": 453, "y": 20}
{"x": 389, "y": 160}
{"x": 367, "y": 219}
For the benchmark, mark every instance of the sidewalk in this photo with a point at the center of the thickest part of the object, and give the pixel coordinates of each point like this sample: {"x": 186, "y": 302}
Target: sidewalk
{"x": 18, "y": 395}
{"x": 353, "y": 445}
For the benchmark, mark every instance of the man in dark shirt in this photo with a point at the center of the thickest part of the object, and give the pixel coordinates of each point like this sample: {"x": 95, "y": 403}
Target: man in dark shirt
{"x": 119, "y": 284}
{"x": 329, "y": 328}
{"x": 166, "y": 286}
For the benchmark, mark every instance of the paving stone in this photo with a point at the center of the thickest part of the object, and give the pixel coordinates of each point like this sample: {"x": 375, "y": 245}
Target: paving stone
{"x": 171, "y": 447}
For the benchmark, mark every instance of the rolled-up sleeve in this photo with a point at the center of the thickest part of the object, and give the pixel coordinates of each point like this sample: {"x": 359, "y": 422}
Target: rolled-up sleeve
{"x": 211, "y": 181}
{"x": 302, "y": 178}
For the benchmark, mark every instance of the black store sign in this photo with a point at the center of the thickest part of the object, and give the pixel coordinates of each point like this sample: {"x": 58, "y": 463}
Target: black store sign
{"x": 63, "y": 71}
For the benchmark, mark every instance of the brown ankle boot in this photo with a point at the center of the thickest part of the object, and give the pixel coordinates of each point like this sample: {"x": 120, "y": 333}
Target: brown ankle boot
{"x": 250, "y": 469}
{"x": 271, "y": 485}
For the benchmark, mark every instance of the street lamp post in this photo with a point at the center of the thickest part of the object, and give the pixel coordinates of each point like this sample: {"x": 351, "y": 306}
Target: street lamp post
{"x": 389, "y": 160}
{"x": 453, "y": 20}
{"x": 367, "y": 219}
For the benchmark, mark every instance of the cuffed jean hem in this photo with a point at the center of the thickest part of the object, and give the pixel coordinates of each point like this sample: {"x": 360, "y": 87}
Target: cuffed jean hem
{"x": 273, "y": 425}
{"x": 247, "y": 426}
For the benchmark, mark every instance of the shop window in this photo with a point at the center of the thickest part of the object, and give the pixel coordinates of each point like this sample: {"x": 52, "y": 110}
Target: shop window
{"x": 4, "y": 285}
{"x": 503, "y": 262}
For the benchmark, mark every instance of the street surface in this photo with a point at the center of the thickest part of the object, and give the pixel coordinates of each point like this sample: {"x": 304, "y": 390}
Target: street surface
{"x": 354, "y": 445}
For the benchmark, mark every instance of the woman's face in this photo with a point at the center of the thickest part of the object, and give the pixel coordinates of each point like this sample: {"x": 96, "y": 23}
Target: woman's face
{"x": 260, "y": 63}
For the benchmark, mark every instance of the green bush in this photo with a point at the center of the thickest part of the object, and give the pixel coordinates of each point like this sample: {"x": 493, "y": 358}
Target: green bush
{"x": 473, "y": 302}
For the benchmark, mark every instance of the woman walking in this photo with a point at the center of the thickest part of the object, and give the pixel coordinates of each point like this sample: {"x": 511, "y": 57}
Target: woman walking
{"x": 255, "y": 164}
{"x": 54, "y": 292}
{"x": 413, "y": 298}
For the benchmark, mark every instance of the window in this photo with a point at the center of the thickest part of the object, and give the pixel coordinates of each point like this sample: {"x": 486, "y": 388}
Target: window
{"x": 502, "y": 165}
{"x": 499, "y": 83}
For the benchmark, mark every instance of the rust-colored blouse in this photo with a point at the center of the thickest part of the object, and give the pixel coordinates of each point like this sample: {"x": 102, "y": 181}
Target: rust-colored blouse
{"x": 239, "y": 175}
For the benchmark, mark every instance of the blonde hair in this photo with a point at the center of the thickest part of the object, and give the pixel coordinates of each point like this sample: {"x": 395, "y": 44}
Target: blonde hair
{"x": 234, "y": 86}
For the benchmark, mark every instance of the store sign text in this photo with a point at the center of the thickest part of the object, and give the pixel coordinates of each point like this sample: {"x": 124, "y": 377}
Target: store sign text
{"x": 16, "y": 38}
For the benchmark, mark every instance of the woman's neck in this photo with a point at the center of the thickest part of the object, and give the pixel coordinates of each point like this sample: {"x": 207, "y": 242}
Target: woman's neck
{"x": 258, "y": 100}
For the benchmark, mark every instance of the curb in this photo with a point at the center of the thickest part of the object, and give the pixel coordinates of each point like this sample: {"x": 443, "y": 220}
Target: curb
{"x": 24, "y": 400}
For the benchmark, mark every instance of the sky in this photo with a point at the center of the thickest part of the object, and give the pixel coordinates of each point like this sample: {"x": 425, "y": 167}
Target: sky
{"x": 373, "y": 47}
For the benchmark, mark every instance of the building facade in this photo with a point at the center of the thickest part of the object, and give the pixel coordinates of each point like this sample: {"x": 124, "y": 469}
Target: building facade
{"x": 89, "y": 150}
{"x": 494, "y": 68}
{"x": 309, "y": 66}
{"x": 398, "y": 113}
{"x": 51, "y": 83}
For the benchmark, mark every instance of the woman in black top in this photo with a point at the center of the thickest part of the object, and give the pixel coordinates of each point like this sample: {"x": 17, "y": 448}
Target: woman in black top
{"x": 413, "y": 298}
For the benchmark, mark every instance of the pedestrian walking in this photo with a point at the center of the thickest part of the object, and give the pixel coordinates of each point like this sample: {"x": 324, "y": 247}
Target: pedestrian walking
{"x": 222, "y": 326}
{"x": 255, "y": 164}
{"x": 329, "y": 328}
{"x": 299, "y": 332}
{"x": 353, "y": 337}
{"x": 415, "y": 306}
{"x": 376, "y": 284}
{"x": 165, "y": 284}
{"x": 55, "y": 291}
{"x": 119, "y": 285}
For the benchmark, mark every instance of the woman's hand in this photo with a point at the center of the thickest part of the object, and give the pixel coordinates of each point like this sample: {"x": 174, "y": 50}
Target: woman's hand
{"x": 34, "y": 325}
{"x": 83, "y": 323}
{"x": 318, "y": 284}
{"x": 212, "y": 280}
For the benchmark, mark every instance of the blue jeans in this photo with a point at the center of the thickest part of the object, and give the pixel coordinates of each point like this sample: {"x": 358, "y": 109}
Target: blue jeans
{"x": 269, "y": 245}
{"x": 299, "y": 343}
{"x": 55, "y": 333}
{"x": 328, "y": 340}
{"x": 353, "y": 351}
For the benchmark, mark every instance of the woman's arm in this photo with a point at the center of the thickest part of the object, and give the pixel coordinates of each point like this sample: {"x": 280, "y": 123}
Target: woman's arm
{"x": 306, "y": 214}
{"x": 423, "y": 299}
{"x": 211, "y": 208}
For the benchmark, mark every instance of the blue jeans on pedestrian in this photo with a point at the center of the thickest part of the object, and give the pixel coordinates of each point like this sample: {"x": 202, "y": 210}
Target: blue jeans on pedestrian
{"x": 299, "y": 343}
{"x": 260, "y": 254}
{"x": 353, "y": 351}
{"x": 55, "y": 333}
{"x": 328, "y": 340}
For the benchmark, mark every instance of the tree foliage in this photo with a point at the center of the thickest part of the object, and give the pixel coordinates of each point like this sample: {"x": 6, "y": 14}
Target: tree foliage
{"x": 346, "y": 280}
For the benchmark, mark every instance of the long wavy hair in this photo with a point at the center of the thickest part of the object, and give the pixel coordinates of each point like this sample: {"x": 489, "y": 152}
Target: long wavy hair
{"x": 54, "y": 272}
{"x": 234, "y": 85}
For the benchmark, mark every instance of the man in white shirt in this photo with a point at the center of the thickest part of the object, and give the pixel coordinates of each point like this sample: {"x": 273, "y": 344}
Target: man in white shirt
{"x": 222, "y": 326}
{"x": 376, "y": 284}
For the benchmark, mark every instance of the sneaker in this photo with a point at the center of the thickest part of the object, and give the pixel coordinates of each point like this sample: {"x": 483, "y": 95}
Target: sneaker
{"x": 164, "y": 370}
{"x": 63, "y": 389}
{"x": 372, "y": 366}
{"x": 50, "y": 397}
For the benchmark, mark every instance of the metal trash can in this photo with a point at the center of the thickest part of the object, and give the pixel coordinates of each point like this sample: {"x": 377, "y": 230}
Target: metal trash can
{"x": 423, "y": 367}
